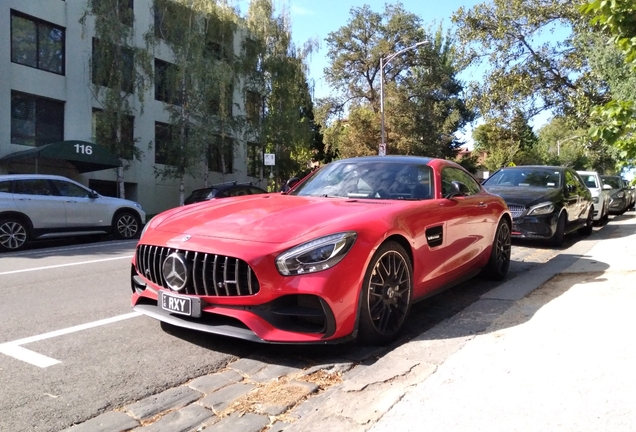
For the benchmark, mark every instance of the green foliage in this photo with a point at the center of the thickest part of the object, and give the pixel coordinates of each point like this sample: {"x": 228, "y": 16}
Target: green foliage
{"x": 422, "y": 96}
{"x": 615, "y": 122}
{"x": 532, "y": 63}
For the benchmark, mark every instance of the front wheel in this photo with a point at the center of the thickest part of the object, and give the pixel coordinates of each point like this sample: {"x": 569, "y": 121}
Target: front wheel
{"x": 387, "y": 293}
{"x": 126, "y": 225}
{"x": 499, "y": 261}
{"x": 13, "y": 234}
{"x": 586, "y": 230}
{"x": 559, "y": 233}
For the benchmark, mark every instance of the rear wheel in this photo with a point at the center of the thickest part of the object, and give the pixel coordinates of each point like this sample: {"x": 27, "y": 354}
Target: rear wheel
{"x": 559, "y": 233}
{"x": 499, "y": 261}
{"x": 387, "y": 293}
{"x": 126, "y": 225}
{"x": 13, "y": 234}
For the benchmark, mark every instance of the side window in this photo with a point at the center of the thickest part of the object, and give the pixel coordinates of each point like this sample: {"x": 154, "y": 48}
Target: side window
{"x": 450, "y": 174}
{"x": 69, "y": 189}
{"x": 255, "y": 191}
{"x": 33, "y": 187}
{"x": 5, "y": 186}
{"x": 570, "y": 180}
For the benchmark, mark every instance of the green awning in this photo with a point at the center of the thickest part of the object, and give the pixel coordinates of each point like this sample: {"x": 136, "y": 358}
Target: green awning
{"x": 84, "y": 156}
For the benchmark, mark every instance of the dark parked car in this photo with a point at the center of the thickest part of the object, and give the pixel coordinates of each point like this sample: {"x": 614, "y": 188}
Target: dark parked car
{"x": 222, "y": 190}
{"x": 620, "y": 197}
{"x": 546, "y": 202}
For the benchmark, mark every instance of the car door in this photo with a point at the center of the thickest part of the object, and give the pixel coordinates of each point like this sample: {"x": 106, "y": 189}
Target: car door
{"x": 571, "y": 197}
{"x": 81, "y": 209}
{"x": 470, "y": 222}
{"x": 36, "y": 199}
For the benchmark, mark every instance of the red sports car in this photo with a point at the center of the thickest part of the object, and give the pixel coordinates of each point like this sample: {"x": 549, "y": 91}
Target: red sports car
{"x": 343, "y": 255}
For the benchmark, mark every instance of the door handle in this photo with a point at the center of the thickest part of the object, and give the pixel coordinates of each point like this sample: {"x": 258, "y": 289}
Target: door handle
{"x": 482, "y": 204}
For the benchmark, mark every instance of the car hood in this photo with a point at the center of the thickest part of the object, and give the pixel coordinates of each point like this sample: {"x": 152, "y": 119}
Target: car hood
{"x": 118, "y": 201}
{"x": 263, "y": 218}
{"x": 525, "y": 196}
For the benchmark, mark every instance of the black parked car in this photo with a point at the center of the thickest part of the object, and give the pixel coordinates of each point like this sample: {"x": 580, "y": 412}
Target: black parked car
{"x": 222, "y": 190}
{"x": 546, "y": 202}
{"x": 620, "y": 196}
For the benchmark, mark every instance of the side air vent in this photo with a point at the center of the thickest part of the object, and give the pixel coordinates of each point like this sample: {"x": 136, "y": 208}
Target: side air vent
{"x": 435, "y": 236}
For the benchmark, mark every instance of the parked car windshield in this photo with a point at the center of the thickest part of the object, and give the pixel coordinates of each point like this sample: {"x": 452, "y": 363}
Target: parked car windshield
{"x": 614, "y": 182}
{"x": 590, "y": 181}
{"x": 525, "y": 177}
{"x": 373, "y": 180}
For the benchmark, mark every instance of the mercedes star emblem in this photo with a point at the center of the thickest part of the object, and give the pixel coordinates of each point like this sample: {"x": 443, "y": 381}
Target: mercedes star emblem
{"x": 175, "y": 271}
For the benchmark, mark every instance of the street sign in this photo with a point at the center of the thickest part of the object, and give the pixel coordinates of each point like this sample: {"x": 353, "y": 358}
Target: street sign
{"x": 269, "y": 159}
{"x": 382, "y": 149}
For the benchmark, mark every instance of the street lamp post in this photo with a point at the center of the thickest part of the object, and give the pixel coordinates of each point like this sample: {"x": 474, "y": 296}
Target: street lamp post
{"x": 384, "y": 62}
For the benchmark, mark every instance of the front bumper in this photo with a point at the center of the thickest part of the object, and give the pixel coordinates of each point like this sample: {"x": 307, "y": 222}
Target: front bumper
{"x": 316, "y": 308}
{"x": 535, "y": 227}
{"x": 617, "y": 205}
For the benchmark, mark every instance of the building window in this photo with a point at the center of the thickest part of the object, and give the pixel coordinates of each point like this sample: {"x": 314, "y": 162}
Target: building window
{"x": 112, "y": 66}
{"x": 37, "y": 43}
{"x": 170, "y": 21}
{"x": 221, "y": 154}
{"x": 36, "y": 121}
{"x": 253, "y": 159}
{"x": 166, "y": 89}
{"x": 103, "y": 132}
{"x": 253, "y": 105}
{"x": 125, "y": 10}
{"x": 219, "y": 37}
{"x": 163, "y": 143}
{"x": 224, "y": 94}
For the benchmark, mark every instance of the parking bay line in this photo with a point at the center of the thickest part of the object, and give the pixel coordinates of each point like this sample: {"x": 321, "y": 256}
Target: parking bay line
{"x": 65, "y": 265}
{"x": 15, "y": 350}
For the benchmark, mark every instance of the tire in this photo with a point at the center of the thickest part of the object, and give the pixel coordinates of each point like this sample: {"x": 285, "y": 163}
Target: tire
{"x": 14, "y": 234}
{"x": 587, "y": 229}
{"x": 387, "y": 293}
{"x": 126, "y": 225}
{"x": 499, "y": 262}
{"x": 559, "y": 234}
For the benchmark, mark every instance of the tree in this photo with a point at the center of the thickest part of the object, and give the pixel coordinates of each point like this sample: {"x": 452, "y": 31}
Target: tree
{"x": 120, "y": 72}
{"x": 615, "y": 122}
{"x": 533, "y": 65}
{"x": 423, "y": 104}
{"x": 197, "y": 87}
{"x": 277, "y": 73}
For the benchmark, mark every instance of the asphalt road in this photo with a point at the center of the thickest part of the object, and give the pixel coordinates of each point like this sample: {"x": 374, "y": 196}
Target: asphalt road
{"x": 71, "y": 347}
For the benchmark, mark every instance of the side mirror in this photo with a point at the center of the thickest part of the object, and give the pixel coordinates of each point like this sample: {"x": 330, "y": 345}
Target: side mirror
{"x": 289, "y": 184}
{"x": 457, "y": 189}
{"x": 607, "y": 187}
{"x": 93, "y": 195}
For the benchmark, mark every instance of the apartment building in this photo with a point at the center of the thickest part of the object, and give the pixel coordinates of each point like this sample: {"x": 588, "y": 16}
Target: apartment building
{"x": 46, "y": 96}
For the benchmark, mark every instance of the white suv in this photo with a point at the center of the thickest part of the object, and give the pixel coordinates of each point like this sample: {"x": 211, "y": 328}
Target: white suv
{"x": 36, "y": 206}
{"x": 600, "y": 194}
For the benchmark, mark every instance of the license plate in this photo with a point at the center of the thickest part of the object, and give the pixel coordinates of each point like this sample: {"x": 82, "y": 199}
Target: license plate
{"x": 176, "y": 304}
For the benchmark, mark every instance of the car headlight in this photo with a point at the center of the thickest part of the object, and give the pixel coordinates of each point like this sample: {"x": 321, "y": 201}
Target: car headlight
{"x": 541, "y": 209}
{"x": 595, "y": 200}
{"x": 316, "y": 255}
{"x": 619, "y": 195}
{"x": 138, "y": 206}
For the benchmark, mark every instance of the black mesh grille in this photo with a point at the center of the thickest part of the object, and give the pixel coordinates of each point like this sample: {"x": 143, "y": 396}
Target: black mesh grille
{"x": 516, "y": 210}
{"x": 211, "y": 275}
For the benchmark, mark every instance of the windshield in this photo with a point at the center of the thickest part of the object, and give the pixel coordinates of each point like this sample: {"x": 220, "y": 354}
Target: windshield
{"x": 614, "y": 182}
{"x": 525, "y": 177}
{"x": 590, "y": 181}
{"x": 372, "y": 180}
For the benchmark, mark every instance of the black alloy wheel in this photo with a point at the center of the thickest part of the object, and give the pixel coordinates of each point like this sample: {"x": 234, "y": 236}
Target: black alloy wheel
{"x": 387, "y": 294}
{"x": 13, "y": 234}
{"x": 126, "y": 225}
{"x": 499, "y": 261}
{"x": 559, "y": 234}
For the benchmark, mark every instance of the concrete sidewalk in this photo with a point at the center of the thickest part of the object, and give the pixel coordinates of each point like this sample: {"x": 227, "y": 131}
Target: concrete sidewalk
{"x": 561, "y": 359}
{"x": 553, "y": 350}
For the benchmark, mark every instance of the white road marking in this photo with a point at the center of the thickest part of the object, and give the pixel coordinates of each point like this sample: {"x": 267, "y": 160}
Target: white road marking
{"x": 65, "y": 265}
{"x": 28, "y": 356}
{"x": 13, "y": 349}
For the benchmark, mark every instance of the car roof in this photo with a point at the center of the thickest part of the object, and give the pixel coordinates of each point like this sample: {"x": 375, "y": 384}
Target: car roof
{"x": 31, "y": 176}
{"x": 554, "y": 167}
{"x": 390, "y": 158}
